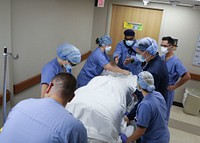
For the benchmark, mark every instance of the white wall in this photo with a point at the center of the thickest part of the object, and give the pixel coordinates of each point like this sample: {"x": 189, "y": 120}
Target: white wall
{"x": 35, "y": 28}
{"x": 5, "y": 37}
{"x": 182, "y": 23}
{"x": 39, "y": 26}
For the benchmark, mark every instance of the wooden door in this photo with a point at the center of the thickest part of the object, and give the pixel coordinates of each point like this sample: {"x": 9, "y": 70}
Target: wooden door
{"x": 149, "y": 18}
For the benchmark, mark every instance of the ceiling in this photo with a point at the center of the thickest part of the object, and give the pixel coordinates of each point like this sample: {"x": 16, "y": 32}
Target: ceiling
{"x": 180, "y": 2}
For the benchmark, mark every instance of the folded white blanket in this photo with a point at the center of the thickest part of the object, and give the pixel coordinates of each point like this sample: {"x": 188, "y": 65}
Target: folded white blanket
{"x": 101, "y": 104}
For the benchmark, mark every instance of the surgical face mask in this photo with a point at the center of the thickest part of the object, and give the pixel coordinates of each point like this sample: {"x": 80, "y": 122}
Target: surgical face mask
{"x": 68, "y": 68}
{"x": 164, "y": 50}
{"x": 107, "y": 49}
{"x": 129, "y": 42}
{"x": 140, "y": 58}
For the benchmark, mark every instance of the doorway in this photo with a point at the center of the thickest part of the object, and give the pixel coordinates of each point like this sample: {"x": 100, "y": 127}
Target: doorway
{"x": 149, "y": 18}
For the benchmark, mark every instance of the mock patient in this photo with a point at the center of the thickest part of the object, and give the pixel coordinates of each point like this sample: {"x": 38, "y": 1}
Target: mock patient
{"x": 101, "y": 104}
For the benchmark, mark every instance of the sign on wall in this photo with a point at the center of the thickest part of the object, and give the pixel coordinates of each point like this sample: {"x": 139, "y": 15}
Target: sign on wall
{"x": 99, "y": 3}
{"x": 196, "y": 59}
{"x": 132, "y": 25}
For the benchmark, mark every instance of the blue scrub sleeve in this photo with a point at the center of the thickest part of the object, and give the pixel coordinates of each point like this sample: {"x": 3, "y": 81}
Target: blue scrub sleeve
{"x": 47, "y": 75}
{"x": 143, "y": 116}
{"x": 118, "y": 51}
{"x": 101, "y": 59}
{"x": 180, "y": 68}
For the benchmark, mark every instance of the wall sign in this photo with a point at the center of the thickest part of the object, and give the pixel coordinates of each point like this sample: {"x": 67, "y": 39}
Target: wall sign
{"x": 196, "y": 59}
{"x": 99, "y": 3}
{"x": 134, "y": 26}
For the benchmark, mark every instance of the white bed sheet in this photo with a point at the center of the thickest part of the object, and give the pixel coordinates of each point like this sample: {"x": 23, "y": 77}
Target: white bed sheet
{"x": 101, "y": 104}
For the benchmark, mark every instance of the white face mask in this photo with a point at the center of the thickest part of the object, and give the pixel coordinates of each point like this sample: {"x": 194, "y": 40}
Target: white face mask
{"x": 129, "y": 42}
{"x": 140, "y": 58}
{"x": 164, "y": 50}
{"x": 107, "y": 49}
{"x": 68, "y": 68}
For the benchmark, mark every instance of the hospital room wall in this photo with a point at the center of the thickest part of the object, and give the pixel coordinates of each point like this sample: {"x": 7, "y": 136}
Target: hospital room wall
{"x": 33, "y": 29}
{"x": 179, "y": 22}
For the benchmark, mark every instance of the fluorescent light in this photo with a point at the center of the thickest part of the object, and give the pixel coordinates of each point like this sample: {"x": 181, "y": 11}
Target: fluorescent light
{"x": 145, "y": 2}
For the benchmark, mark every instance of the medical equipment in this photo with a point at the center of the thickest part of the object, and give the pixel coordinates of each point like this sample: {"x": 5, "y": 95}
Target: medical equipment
{"x": 101, "y": 104}
{"x": 6, "y": 54}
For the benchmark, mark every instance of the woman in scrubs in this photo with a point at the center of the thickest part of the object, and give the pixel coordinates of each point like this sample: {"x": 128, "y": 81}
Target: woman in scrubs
{"x": 151, "y": 114}
{"x": 98, "y": 61}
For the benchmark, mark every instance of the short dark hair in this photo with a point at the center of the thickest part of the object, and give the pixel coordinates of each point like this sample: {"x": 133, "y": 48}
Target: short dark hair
{"x": 65, "y": 84}
{"x": 169, "y": 39}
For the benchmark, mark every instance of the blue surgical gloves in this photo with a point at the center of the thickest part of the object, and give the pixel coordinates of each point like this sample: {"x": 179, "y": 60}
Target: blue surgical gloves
{"x": 124, "y": 138}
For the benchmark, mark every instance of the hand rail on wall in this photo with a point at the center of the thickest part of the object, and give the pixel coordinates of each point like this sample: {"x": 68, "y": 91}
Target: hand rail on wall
{"x": 19, "y": 87}
{"x": 7, "y": 97}
{"x": 195, "y": 76}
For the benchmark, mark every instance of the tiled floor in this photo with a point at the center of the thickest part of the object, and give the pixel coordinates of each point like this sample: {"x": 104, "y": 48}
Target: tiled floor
{"x": 184, "y": 128}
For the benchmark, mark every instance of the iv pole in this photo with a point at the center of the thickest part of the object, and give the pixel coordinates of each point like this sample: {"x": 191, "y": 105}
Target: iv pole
{"x": 6, "y": 54}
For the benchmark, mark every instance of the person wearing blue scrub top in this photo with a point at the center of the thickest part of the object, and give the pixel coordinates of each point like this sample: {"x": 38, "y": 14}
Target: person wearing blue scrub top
{"x": 46, "y": 120}
{"x": 68, "y": 56}
{"x": 175, "y": 68}
{"x": 97, "y": 62}
{"x": 147, "y": 52}
{"x": 151, "y": 114}
{"x": 125, "y": 55}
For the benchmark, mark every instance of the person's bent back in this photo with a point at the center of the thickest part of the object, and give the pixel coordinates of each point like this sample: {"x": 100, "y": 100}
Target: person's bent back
{"x": 46, "y": 120}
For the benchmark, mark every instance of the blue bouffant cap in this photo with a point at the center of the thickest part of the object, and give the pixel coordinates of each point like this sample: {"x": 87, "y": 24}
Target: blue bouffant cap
{"x": 129, "y": 32}
{"x": 104, "y": 40}
{"x": 69, "y": 52}
{"x": 146, "y": 81}
{"x": 148, "y": 44}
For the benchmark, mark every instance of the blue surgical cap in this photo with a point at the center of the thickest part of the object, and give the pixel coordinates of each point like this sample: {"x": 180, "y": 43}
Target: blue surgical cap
{"x": 104, "y": 41}
{"x": 146, "y": 81}
{"x": 148, "y": 44}
{"x": 69, "y": 52}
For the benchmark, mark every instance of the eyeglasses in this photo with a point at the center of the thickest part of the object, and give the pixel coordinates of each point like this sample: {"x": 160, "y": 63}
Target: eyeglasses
{"x": 72, "y": 64}
{"x": 165, "y": 45}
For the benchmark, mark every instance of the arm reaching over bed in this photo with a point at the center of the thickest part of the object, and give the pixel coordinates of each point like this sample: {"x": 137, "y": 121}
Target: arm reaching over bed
{"x": 101, "y": 104}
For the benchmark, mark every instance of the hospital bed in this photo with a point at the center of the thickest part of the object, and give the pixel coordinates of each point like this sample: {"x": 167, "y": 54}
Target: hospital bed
{"x": 101, "y": 104}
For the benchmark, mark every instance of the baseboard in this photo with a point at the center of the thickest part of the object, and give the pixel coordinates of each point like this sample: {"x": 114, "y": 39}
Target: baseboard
{"x": 178, "y": 104}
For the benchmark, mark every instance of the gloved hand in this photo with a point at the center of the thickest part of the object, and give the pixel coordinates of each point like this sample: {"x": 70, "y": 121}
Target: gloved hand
{"x": 126, "y": 113}
{"x": 123, "y": 138}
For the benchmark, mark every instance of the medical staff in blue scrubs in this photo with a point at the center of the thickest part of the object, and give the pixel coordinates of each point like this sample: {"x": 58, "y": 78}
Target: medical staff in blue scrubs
{"x": 178, "y": 74}
{"x": 46, "y": 120}
{"x": 147, "y": 52}
{"x": 68, "y": 56}
{"x": 151, "y": 114}
{"x": 97, "y": 62}
{"x": 125, "y": 54}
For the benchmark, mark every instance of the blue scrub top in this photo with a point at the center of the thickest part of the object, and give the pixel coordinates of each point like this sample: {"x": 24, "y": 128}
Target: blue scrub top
{"x": 176, "y": 69}
{"x": 122, "y": 51}
{"x": 151, "y": 114}
{"x": 50, "y": 70}
{"x": 158, "y": 69}
{"x": 42, "y": 121}
{"x": 93, "y": 66}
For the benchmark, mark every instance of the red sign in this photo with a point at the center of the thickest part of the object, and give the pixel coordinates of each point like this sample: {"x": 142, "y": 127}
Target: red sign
{"x": 100, "y": 3}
